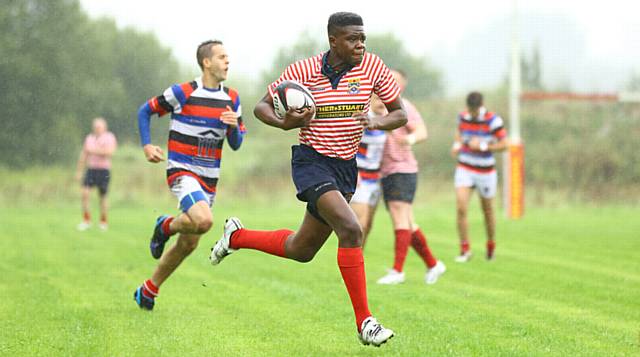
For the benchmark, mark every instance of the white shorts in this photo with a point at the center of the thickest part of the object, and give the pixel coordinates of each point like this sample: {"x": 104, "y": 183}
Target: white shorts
{"x": 367, "y": 192}
{"x": 486, "y": 184}
{"x": 188, "y": 191}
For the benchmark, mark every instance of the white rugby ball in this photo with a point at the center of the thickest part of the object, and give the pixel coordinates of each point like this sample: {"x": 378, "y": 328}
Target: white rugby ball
{"x": 291, "y": 94}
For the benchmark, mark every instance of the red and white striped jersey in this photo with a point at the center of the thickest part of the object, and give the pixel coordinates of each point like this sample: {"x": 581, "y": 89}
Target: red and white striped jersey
{"x": 333, "y": 132}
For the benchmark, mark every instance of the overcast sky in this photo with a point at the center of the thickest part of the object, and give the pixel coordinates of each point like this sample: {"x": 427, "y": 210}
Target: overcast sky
{"x": 254, "y": 30}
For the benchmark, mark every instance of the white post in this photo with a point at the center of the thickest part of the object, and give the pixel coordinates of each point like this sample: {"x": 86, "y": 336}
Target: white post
{"x": 513, "y": 171}
{"x": 514, "y": 82}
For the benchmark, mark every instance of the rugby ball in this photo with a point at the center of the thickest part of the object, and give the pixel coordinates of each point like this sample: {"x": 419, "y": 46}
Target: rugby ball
{"x": 291, "y": 94}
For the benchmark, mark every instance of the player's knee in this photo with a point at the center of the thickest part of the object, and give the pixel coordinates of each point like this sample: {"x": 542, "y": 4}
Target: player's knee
{"x": 305, "y": 256}
{"x": 203, "y": 224}
{"x": 351, "y": 233}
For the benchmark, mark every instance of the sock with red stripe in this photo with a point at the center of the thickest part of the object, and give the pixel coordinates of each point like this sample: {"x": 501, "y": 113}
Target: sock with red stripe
{"x": 403, "y": 238}
{"x": 149, "y": 289}
{"x": 166, "y": 226}
{"x": 351, "y": 264}
{"x": 464, "y": 246}
{"x": 271, "y": 242}
{"x": 491, "y": 246}
{"x": 103, "y": 218}
{"x": 419, "y": 243}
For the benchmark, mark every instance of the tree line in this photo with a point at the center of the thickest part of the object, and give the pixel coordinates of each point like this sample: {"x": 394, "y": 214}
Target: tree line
{"x": 59, "y": 69}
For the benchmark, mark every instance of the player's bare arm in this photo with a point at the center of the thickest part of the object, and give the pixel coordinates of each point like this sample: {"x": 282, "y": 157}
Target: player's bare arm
{"x": 395, "y": 118}
{"x": 501, "y": 145}
{"x": 457, "y": 145}
{"x": 417, "y": 134}
{"x": 82, "y": 159}
{"x": 108, "y": 152}
{"x": 476, "y": 144}
{"x": 292, "y": 119}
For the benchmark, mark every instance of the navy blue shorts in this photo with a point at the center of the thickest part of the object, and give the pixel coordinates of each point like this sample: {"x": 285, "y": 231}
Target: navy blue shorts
{"x": 99, "y": 178}
{"x": 399, "y": 187}
{"x": 314, "y": 174}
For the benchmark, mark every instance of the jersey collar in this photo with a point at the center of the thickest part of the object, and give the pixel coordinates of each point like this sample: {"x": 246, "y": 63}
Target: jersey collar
{"x": 333, "y": 75}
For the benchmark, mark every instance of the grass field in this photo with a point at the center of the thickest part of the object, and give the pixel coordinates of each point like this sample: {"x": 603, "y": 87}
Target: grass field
{"x": 566, "y": 282}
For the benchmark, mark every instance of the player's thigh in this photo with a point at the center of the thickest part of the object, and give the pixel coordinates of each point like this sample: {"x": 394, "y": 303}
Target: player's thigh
{"x": 192, "y": 199}
{"x": 362, "y": 211}
{"x": 463, "y": 194}
{"x": 335, "y": 210}
{"x": 199, "y": 212}
{"x": 400, "y": 212}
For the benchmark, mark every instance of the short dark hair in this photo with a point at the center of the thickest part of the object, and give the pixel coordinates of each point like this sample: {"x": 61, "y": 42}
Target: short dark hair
{"x": 474, "y": 100}
{"x": 342, "y": 19}
{"x": 204, "y": 50}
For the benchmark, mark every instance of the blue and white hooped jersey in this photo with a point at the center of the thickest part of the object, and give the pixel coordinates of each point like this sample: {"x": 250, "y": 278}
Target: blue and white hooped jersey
{"x": 369, "y": 155}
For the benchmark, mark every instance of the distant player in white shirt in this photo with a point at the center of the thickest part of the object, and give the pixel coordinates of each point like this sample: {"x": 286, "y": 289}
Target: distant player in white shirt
{"x": 368, "y": 191}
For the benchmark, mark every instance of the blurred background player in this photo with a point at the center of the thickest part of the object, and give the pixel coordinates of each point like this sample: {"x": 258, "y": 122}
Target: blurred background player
{"x": 368, "y": 191}
{"x": 203, "y": 113}
{"x": 324, "y": 170}
{"x": 399, "y": 180}
{"x": 95, "y": 156}
{"x": 480, "y": 133}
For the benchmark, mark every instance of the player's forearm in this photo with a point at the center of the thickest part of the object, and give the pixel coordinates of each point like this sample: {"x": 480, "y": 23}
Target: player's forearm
{"x": 420, "y": 133}
{"x": 144, "y": 123}
{"x": 264, "y": 112}
{"x": 107, "y": 152}
{"x": 393, "y": 120}
{"x": 81, "y": 161}
{"x": 499, "y": 146}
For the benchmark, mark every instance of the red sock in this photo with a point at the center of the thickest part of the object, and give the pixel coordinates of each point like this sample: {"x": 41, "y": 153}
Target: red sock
{"x": 464, "y": 247}
{"x": 86, "y": 216}
{"x": 403, "y": 238}
{"x": 419, "y": 243}
{"x": 271, "y": 242}
{"x": 150, "y": 290}
{"x": 351, "y": 264}
{"x": 491, "y": 246}
{"x": 165, "y": 227}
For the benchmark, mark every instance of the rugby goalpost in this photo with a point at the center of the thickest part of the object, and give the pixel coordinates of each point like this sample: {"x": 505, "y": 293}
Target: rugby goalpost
{"x": 513, "y": 157}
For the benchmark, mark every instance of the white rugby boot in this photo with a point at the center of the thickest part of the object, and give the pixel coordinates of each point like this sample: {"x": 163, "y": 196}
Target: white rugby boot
{"x": 373, "y": 333}
{"x": 221, "y": 249}
{"x": 464, "y": 257}
{"x": 83, "y": 226}
{"x": 393, "y": 277}
{"x": 434, "y": 273}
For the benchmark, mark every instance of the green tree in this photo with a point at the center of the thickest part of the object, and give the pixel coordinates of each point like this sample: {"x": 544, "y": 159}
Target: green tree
{"x": 60, "y": 69}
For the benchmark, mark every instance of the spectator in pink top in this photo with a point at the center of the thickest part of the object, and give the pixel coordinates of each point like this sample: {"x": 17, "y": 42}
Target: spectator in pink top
{"x": 399, "y": 179}
{"x": 95, "y": 157}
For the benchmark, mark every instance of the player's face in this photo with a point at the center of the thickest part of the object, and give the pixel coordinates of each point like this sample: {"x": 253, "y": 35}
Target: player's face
{"x": 218, "y": 64}
{"x": 99, "y": 126}
{"x": 349, "y": 44}
{"x": 474, "y": 112}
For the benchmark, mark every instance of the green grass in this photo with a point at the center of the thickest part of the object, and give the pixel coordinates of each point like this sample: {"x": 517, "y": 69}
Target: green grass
{"x": 566, "y": 282}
